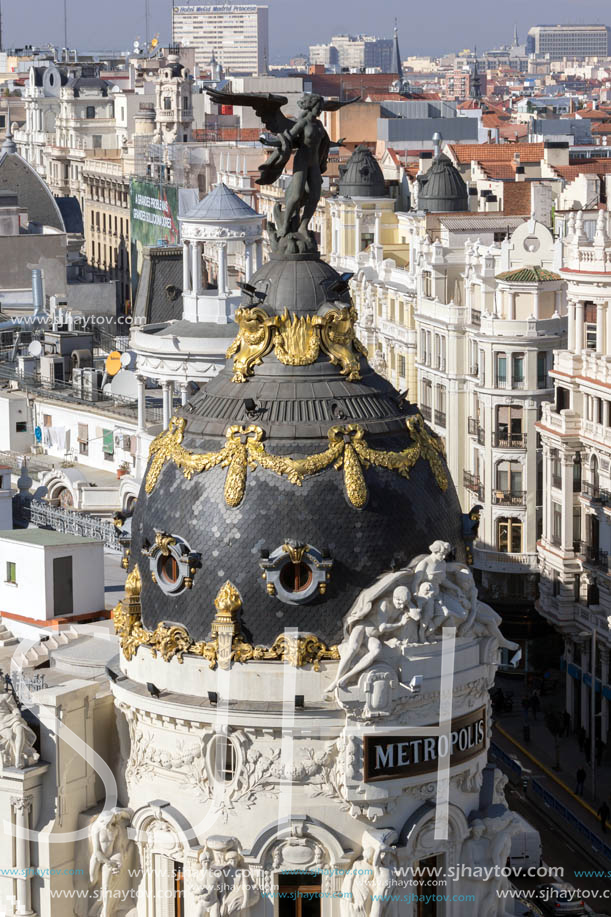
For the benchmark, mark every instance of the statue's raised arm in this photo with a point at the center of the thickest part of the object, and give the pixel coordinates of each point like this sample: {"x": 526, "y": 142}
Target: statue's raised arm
{"x": 308, "y": 139}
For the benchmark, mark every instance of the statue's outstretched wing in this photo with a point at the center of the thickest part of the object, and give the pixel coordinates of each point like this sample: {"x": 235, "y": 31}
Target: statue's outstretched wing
{"x": 335, "y": 104}
{"x": 266, "y": 106}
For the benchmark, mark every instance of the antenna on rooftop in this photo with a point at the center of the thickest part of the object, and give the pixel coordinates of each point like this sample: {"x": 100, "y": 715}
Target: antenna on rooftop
{"x": 146, "y": 23}
{"x": 66, "y": 26}
{"x": 1, "y": 45}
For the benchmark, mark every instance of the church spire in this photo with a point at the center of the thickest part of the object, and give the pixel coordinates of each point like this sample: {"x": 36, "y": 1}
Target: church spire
{"x": 476, "y": 83}
{"x": 395, "y": 64}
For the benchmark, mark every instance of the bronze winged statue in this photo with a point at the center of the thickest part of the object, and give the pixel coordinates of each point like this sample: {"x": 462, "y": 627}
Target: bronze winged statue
{"x": 310, "y": 141}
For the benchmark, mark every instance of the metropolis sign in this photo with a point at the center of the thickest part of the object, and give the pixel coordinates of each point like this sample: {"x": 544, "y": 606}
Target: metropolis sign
{"x": 387, "y": 757}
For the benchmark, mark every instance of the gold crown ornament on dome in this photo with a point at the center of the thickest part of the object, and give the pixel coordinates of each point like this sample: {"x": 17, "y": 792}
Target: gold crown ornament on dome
{"x": 296, "y": 340}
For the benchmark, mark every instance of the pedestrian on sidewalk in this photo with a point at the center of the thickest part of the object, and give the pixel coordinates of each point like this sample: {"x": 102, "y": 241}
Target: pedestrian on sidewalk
{"x": 525, "y": 720}
{"x": 581, "y": 738}
{"x": 603, "y": 814}
{"x": 581, "y": 779}
{"x": 534, "y": 703}
{"x": 566, "y": 723}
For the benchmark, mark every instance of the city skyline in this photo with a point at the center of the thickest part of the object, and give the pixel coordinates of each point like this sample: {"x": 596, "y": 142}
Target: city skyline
{"x": 420, "y": 35}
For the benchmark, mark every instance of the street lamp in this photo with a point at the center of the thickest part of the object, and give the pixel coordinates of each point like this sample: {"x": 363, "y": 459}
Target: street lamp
{"x": 592, "y": 635}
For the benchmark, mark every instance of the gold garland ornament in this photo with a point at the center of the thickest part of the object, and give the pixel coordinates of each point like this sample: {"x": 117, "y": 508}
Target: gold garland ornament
{"x": 296, "y": 340}
{"x": 244, "y": 450}
{"x": 227, "y": 645}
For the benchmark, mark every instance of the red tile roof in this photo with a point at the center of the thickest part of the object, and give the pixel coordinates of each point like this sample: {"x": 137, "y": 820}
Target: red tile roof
{"x": 589, "y": 167}
{"x": 496, "y": 152}
{"x": 499, "y": 170}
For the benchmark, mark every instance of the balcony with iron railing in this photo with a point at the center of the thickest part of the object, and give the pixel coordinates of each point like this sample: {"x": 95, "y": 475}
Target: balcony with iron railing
{"x": 592, "y": 491}
{"x": 509, "y": 497}
{"x": 592, "y": 555}
{"x": 474, "y": 429}
{"x": 473, "y": 483}
{"x": 440, "y": 418}
{"x": 510, "y": 384}
{"x": 509, "y": 440}
{"x": 426, "y": 411}
{"x": 476, "y": 317}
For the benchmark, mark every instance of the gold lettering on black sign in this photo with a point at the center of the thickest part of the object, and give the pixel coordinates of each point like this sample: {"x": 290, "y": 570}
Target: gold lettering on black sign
{"x": 387, "y": 757}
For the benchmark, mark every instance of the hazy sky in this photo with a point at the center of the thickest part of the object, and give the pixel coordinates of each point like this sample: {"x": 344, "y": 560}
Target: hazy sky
{"x": 425, "y": 28}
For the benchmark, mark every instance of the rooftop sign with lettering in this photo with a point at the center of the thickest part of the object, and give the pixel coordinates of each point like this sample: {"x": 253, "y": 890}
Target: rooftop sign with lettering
{"x": 387, "y": 757}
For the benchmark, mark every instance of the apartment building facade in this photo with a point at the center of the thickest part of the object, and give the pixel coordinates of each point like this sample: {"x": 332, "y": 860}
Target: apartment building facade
{"x": 575, "y": 432}
{"x": 558, "y": 41}
{"x": 235, "y": 35}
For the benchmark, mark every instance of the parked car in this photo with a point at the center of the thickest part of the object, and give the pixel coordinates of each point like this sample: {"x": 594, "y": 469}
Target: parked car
{"x": 559, "y": 898}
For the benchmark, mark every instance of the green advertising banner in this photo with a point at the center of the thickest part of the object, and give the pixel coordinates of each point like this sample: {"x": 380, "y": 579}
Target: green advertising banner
{"x": 154, "y": 219}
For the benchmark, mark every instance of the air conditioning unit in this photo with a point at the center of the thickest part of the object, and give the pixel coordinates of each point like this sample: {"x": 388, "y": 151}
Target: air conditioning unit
{"x": 51, "y": 369}
{"x": 92, "y": 380}
{"x": 77, "y": 382}
{"x": 26, "y": 365}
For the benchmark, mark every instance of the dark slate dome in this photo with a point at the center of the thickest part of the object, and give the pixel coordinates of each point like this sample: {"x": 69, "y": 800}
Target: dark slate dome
{"x": 442, "y": 188}
{"x": 237, "y": 518}
{"x": 362, "y": 175}
{"x": 299, "y": 283}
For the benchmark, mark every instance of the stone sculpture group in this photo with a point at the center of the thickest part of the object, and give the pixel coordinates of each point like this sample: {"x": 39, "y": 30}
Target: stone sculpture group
{"x": 413, "y": 606}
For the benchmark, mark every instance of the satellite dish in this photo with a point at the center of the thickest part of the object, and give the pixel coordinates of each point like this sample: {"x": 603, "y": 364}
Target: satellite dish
{"x": 113, "y": 363}
{"x": 124, "y": 384}
{"x": 128, "y": 359}
{"x": 35, "y": 349}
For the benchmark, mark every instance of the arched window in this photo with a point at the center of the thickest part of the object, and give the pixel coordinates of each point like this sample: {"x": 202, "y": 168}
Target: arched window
{"x": 223, "y": 759}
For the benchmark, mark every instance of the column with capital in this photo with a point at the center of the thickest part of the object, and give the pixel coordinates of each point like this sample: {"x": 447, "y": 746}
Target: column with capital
{"x": 545, "y": 489}
{"x": 166, "y": 395}
{"x": 537, "y": 311}
{"x": 357, "y": 232}
{"x": 22, "y": 806}
{"x": 567, "y": 502}
{"x": 601, "y": 311}
{"x": 579, "y": 325}
{"x": 196, "y": 279}
{"x": 247, "y": 261}
{"x": 378, "y": 229}
{"x": 184, "y": 393}
{"x": 512, "y": 305}
{"x": 571, "y": 325}
{"x": 141, "y": 403}
{"x": 222, "y": 275}
{"x": 186, "y": 266}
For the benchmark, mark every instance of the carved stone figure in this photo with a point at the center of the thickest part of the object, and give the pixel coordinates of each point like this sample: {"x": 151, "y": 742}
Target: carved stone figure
{"x": 368, "y": 886}
{"x": 310, "y": 141}
{"x": 488, "y": 846}
{"x": 403, "y": 608}
{"x": 16, "y": 738}
{"x": 206, "y": 886}
{"x": 363, "y": 645}
{"x": 108, "y": 861}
